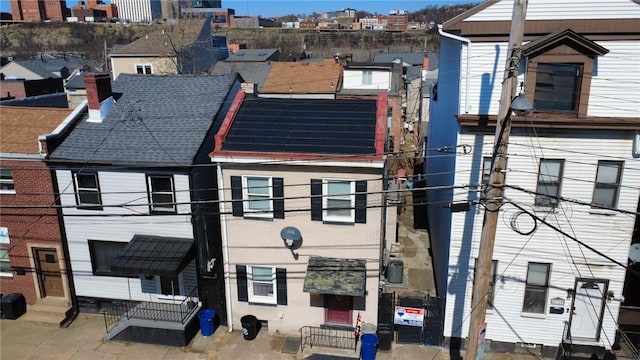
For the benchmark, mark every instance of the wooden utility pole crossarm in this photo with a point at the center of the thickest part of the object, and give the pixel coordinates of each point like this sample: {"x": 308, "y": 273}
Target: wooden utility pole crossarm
{"x": 496, "y": 182}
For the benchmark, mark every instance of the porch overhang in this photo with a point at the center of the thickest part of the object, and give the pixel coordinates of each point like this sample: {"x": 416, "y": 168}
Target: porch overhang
{"x": 335, "y": 276}
{"x": 155, "y": 255}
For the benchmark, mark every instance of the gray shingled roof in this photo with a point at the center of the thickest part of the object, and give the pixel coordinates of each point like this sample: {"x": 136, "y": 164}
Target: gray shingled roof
{"x": 245, "y": 55}
{"x": 158, "y": 120}
{"x": 48, "y": 67}
{"x": 409, "y": 58}
{"x": 252, "y": 72}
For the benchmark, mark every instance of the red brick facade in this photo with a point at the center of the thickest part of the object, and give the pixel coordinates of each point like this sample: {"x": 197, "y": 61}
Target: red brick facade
{"x": 39, "y": 10}
{"x": 29, "y": 228}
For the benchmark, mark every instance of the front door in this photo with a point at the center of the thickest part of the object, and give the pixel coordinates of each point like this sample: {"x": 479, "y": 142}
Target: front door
{"x": 49, "y": 275}
{"x": 338, "y": 309}
{"x": 588, "y": 303}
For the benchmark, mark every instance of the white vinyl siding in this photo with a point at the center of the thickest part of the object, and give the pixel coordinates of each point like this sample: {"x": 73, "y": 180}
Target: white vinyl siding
{"x": 366, "y": 79}
{"x": 120, "y": 224}
{"x": 602, "y": 232}
{"x": 561, "y": 10}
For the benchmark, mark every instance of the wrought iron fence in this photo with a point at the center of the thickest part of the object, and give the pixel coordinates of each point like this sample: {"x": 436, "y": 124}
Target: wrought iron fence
{"x": 326, "y": 337}
{"x": 146, "y": 310}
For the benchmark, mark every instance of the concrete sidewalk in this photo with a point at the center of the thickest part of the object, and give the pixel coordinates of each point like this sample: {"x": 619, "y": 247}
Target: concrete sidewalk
{"x": 83, "y": 339}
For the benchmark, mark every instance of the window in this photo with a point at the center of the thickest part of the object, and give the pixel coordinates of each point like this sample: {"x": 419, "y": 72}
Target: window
{"x": 492, "y": 282}
{"x": 257, "y": 197}
{"x": 557, "y": 87}
{"x": 262, "y": 284}
{"x": 535, "y": 293}
{"x": 6, "y": 182}
{"x": 339, "y": 201}
{"x": 103, "y": 255}
{"x": 549, "y": 179}
{"x": 87, "y": 190}
{"x": 486, "y": 176}
{"x": 143, "y": 69}
{"x": 161, "y": 193}
{"x": 607, "y": 187}
{"x": 367, "y": 77}
{"x": 5, "y": 265}
{"x": 257, "y": 192}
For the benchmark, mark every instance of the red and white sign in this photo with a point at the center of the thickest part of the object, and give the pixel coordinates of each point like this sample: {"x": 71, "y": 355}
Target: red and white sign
{"x": 408, "y": 316}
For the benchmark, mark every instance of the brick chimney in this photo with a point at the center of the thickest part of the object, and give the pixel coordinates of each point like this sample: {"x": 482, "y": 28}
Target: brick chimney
{"x": 99, "y": 95}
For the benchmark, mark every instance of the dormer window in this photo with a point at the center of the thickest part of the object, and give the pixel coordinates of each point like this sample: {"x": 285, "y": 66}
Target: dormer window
{"x": 557, "y": 87}
{"x": 559, "y": 71}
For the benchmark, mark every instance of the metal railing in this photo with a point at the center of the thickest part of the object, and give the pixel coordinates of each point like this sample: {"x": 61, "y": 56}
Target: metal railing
{"x": 566, "y": 346}
{"x": 177, "y": 312}
{"x": 325, "y": 337}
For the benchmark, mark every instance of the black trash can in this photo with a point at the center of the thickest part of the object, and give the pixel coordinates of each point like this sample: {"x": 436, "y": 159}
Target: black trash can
{"x": 13, "y": 306}
{"x": 385, "y": 336}
{"x": 249, "y": 327}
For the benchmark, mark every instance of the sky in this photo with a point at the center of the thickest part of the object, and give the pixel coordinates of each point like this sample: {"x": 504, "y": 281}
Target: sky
{"x": 271, "y": 8}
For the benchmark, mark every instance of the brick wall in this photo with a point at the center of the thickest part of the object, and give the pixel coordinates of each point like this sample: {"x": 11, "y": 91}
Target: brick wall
{"x": 28, "y": 226}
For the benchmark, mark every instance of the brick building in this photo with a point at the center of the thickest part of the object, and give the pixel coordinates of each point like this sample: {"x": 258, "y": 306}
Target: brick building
{"x": 40, "y": 10}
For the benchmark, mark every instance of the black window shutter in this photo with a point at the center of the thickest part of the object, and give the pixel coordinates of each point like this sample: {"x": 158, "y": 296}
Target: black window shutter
{"x": 241, "y": 274}
{"x": 236, "y": 195}
{"x": 278, "y": 198}
{"x": 361, "y": 202}
{"x": 316, "y": 199}
{"x": 281, "y": 285}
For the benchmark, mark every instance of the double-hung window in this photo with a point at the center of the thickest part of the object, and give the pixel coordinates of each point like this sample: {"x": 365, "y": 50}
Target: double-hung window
{"x": 6, "y": 182}
{"x": 5, "y": 265}
{"x": 256, "y": 196}
{"x": 549, "y": 181}
{"x": 87, "y": 190}
{"x": 537, "y": 288}
{"x": 262, "y": 284}
{"x": 339, "y": 200}
{"x": 607, "y": 185}
{"x": 161, "y": 194}
{"x": 257, "y": 190}
{"x": 144, "y": 69}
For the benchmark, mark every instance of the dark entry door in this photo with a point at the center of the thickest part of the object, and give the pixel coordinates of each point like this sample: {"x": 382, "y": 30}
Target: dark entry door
{"x": 338, "y": 309}
{"x": 49, "y": 275}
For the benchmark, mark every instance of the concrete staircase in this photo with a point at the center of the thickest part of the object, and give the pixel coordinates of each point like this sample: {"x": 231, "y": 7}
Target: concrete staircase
{"x": 48, "y": 311}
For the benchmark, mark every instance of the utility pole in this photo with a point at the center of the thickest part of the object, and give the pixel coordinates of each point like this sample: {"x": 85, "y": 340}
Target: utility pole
{"x": 496, "y": 182}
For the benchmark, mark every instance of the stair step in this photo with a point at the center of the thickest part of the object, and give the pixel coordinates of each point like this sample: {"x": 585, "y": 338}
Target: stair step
{"x": 43, "y": 318}
{"x": 49, "y": 308}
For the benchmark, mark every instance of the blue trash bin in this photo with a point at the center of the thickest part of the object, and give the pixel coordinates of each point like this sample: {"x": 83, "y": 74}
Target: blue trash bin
{"x": 368, "y": 347}
{"x": 206, "y": 321}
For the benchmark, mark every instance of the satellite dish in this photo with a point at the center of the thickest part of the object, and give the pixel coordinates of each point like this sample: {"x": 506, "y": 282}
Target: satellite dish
{"x": 634, "y": 253}
{"x": 292, "y": 239}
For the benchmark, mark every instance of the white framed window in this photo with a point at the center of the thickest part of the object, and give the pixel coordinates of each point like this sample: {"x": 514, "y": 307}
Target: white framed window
{"x": 338, "y": 201}
{"x": 161, "y": 193}
{"x": 607, "y": 184}
{"x": 145, "y": 69}
{"x": 5, "y": 265}
{"x": 87, "y": 190}
{"x": 537, "y": 288}
{"x": 549, "y": 181}
{"x": 261, "y": 284}
{"x": 367, "y": 77}
{"x": 257, "y": 193}
{"x": 6, "y": 182}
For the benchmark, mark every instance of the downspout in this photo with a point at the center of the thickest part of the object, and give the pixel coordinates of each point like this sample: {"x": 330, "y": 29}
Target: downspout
{"x": 225, "y": 248}
{"x": 468, "y": 42}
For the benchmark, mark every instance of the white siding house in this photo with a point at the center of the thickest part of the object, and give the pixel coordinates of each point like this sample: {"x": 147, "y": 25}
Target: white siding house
{"x": 571, "y": 193}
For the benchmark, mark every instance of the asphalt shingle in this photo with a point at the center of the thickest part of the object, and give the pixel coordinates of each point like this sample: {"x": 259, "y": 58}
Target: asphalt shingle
{"x": 159, "y": 120}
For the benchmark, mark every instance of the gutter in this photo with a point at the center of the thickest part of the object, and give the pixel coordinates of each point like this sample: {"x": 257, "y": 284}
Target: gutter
{"x": 468, "y": 42}
{"x": 225, "y": 248}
